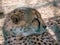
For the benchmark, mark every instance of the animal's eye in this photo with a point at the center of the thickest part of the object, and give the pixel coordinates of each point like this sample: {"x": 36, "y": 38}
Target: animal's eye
{"x": 15, "y": 19}
{"x": 1, "y": 15}
{"x": 36, "y": 22}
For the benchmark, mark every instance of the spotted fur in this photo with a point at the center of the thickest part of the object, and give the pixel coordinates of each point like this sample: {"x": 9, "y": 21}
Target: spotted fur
{"x": 26, "y": 17}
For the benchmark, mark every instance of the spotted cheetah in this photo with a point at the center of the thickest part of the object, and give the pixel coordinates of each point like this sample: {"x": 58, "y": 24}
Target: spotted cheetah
{"x": 54, "y": 24}
{"x": 24, "y": 26}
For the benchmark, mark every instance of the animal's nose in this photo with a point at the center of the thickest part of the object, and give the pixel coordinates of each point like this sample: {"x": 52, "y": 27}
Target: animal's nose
{"x": 44, "y": 26}
{"x": 15, "y": 19}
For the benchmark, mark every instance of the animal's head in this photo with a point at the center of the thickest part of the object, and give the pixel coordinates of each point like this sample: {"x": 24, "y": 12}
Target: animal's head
{"x": 24, "y": 19}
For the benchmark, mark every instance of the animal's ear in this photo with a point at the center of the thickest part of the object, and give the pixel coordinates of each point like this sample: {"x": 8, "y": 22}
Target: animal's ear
{"x": 39, "y": 18}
